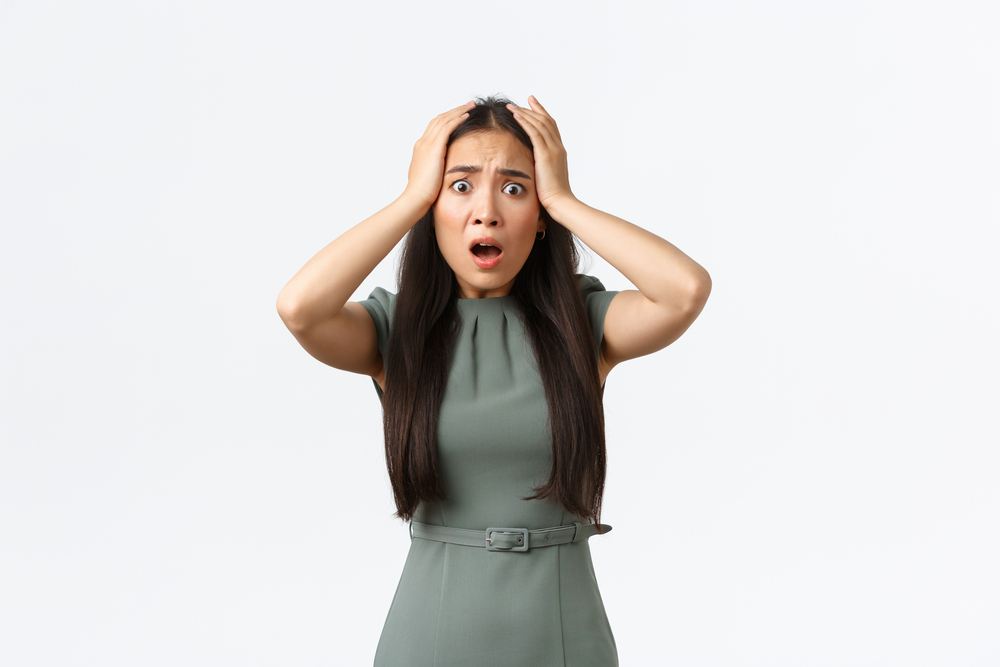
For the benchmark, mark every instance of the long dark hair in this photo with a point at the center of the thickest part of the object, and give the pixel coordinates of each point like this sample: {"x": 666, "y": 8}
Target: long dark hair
{"x": 425, "y": 325}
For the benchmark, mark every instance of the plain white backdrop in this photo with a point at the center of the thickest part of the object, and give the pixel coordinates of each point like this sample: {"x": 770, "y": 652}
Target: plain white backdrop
{"x": 809, "y": 476}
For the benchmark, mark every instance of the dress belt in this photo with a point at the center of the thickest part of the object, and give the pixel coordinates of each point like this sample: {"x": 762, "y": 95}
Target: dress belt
{"x": 507, "y": 539}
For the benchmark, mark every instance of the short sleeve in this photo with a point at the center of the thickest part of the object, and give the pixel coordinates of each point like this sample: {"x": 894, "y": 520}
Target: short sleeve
{"x": 380, "y": 305}
{"x": 596, "y": 299}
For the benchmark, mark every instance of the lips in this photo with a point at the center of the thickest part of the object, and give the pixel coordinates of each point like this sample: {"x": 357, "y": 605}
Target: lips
{"x": 486, "y": 252}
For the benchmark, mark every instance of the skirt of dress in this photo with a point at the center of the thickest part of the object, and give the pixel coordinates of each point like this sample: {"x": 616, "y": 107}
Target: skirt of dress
{"x": 459, "y": 606}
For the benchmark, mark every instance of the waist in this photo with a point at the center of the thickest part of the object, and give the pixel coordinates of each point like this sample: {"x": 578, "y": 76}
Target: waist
{"x": 507, "y": 538}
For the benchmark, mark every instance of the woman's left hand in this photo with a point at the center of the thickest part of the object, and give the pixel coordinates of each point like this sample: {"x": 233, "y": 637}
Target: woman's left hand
{"x": 551, "y": 168}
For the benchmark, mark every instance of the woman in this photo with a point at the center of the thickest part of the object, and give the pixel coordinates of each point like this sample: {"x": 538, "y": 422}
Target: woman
{"x": 490, "y": 363}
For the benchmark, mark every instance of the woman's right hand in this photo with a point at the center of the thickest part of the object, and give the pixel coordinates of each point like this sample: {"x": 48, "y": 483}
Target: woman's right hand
{"x": 426, "y": 172}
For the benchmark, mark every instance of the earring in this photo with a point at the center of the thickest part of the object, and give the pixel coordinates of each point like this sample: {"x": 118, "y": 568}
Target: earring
{"x": 539, "y": 238}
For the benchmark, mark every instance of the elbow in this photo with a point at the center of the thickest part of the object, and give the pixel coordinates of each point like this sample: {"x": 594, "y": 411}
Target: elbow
{"x": 288, "y": 310}
{"x": 704, "y": 286}
{"x": 697, "y": 292}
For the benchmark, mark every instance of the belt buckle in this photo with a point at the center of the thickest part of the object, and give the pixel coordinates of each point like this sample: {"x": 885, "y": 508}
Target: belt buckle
{"x": 523, "y": 540}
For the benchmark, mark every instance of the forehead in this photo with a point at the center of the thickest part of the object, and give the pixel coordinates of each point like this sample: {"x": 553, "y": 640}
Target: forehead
{"x": 499, "y": 149}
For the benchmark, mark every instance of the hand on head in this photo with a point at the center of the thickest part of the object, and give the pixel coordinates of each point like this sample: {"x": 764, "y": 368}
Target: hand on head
{"x": 427, "y": 166}
{"x": 551, "y": 167}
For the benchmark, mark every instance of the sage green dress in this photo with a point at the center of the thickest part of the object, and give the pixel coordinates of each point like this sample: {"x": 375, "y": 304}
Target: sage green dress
{"x": 458, "y": 606}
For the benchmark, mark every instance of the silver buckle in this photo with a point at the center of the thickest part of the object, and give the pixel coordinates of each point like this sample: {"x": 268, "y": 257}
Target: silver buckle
{"x": 522, "y": 541}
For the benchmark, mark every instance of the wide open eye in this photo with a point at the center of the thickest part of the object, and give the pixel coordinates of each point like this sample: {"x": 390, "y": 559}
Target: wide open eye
{"x": 461, "y": 186}
{"x": 513, "y": 188}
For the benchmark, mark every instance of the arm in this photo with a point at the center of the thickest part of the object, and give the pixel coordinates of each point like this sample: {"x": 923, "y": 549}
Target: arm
{"x": 672, "y": 287}
{"x": 313, "y": 305}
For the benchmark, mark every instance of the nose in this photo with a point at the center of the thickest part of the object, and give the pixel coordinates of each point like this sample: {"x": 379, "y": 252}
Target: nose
{"x": 487, "y": 209}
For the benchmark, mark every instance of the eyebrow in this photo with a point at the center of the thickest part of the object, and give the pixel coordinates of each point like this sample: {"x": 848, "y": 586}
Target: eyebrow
{"x": 470, "y": 169}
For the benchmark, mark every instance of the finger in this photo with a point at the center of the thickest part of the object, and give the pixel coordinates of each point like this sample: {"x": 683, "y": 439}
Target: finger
{"x": 451, "y": 114}
{"x": 458, "y": 110}
{"x": 454, "y": 117}
{"x": 528, "y": 126}
{"x": 541, "y": 118}
{"x": 533, "y": 103}
{"x": 537, "y": 107}
{"x": 540, "y": 125}
{"x": 461, "y": 111}
{"x": 449, "y": 120}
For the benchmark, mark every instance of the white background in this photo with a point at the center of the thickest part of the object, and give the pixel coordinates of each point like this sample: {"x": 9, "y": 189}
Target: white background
{"x": 808, "y": 477}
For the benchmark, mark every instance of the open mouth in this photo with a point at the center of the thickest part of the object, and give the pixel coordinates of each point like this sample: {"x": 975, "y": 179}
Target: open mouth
{"x": 486, "y": 253}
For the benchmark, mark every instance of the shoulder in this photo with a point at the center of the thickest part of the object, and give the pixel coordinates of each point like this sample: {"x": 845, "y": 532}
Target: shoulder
{"x": 382, "y": 296}
{"x": 596, "y": 300}
{"x": 380, "y": 304}
{"x": 596, "y": 297}
{"x": 589, "y": 285}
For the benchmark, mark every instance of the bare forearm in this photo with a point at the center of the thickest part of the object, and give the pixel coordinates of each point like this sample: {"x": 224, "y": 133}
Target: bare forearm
{"x": 323, "y": 286}
{"x": 657, "y": 268}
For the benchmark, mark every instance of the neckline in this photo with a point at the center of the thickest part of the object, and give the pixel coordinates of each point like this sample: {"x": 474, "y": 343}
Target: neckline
{"x": 506, "y": 300}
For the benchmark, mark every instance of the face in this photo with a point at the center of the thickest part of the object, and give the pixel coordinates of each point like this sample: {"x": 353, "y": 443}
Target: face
{"x": 487, "y": 213}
